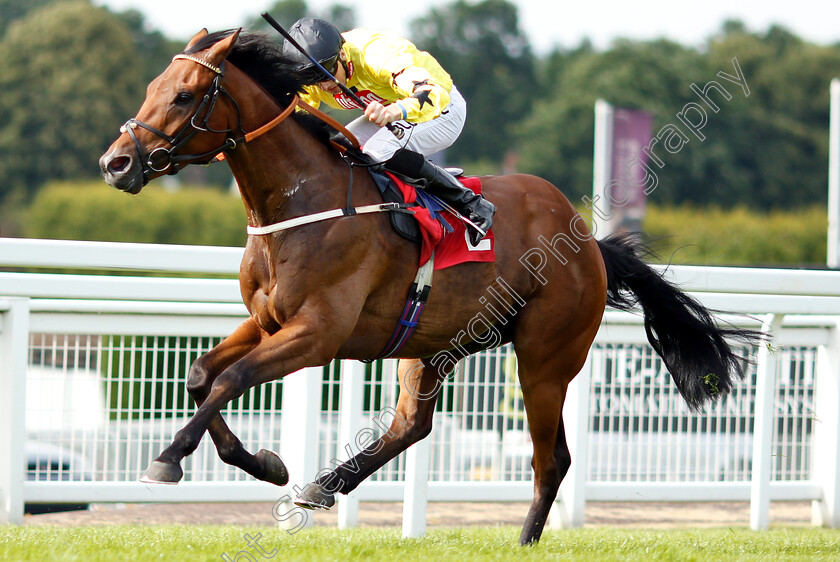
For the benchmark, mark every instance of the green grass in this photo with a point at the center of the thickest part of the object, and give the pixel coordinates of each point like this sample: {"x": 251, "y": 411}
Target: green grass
{"x": 136, "y": 543}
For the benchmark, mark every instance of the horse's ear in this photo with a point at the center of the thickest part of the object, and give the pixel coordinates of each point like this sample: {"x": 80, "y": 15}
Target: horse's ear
{"x": 196, "y": 38}
{"x": 220, "y": 50}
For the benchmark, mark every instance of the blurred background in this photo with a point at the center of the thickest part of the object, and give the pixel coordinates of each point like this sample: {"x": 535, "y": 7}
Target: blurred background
{"x": 753, "y": 192}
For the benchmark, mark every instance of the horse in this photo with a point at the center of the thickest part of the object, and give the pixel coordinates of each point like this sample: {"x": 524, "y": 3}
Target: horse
{"x": 336, "y": 288}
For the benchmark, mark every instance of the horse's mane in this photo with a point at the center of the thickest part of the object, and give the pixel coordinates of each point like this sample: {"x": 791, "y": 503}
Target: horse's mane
{"x": 262, "y": 59}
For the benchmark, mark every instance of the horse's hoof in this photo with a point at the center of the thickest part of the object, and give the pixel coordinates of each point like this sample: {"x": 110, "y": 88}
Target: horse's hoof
{"x": 313, "y": 496}
{"x": 274, "y": 471}
{"x": 162, "y": 473}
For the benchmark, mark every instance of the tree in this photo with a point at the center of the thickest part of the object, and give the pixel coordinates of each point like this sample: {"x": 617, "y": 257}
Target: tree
{"x": 12, "y": 10}
{"x": 155, "y": 49}
{"x": 343, "y": 17}
{"x": 779, "y": 139}
{"x": 556, "y": 138}
{"x": 490, "y": 60}
{"x": 766, "y": 150}
{"x": 287, "y": 12}
{"x": 71, "y": 75}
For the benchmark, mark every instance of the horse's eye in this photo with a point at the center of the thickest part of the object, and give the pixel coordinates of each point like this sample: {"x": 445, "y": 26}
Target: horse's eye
{"x": 183, "y": 98}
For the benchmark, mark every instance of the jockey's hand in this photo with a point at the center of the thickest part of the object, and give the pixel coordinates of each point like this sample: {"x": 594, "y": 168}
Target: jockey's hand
{"x": 382, "y": 114}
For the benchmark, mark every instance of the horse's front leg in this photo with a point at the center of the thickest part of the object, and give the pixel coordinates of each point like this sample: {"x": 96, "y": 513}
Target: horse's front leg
{"x": 420, "y": 383}
{"x": 294, "y": 347}
{"x": 265, "y": 465}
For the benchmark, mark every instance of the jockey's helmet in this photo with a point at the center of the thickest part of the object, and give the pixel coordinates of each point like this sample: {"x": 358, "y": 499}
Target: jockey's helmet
{"x": 321, "y": 40}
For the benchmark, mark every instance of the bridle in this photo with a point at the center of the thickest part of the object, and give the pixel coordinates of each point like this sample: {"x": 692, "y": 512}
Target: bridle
{"x": 161, "y": 159}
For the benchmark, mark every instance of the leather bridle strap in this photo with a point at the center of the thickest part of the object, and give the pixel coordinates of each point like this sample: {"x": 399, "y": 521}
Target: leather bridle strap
{"x": 273, "y": 123}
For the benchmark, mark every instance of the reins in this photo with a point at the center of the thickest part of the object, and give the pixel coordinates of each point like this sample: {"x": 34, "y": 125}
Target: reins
{"x": 162, "y": 159}
{"x": 296, "y": 102}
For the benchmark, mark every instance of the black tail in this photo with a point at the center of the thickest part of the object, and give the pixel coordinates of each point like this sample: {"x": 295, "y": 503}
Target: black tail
{"x": 680, "y": 329}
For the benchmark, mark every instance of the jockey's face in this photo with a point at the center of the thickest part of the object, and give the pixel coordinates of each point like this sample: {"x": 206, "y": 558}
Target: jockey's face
{"x": 340, "y": 74}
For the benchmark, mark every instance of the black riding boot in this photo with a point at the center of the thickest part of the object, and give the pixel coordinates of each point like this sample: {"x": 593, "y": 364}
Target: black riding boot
{"x": 444, "y": 185}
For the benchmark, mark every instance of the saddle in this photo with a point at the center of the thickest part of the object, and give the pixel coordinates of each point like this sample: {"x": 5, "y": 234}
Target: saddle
{"x": 422, "y": 218}
{"x": 404, "y": 224}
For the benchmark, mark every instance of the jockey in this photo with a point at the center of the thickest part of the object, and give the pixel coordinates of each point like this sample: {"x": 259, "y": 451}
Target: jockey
{"x": 401, "y": 85}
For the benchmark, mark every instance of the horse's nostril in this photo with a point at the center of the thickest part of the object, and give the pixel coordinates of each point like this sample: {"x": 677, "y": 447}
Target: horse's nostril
{"x": 119, "y": 164}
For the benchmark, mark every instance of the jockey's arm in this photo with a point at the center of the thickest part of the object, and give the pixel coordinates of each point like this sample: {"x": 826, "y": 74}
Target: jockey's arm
{"x": 424, "y": 99}
{"x": 419, "y": 84}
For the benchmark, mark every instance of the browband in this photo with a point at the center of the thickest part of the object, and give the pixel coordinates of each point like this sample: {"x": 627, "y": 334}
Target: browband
{"x": 202, "y": 62}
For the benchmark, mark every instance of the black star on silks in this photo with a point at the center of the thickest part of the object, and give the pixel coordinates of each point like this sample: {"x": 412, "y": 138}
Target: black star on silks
{"x": 423, "y": 97}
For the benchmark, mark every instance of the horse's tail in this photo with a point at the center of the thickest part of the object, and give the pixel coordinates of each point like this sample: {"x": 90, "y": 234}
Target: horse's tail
{"x": 679, "y": 328}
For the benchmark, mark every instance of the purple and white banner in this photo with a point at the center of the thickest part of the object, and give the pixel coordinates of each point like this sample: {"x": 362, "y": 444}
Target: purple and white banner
{"x": 621, "y": 174}
{"x": 631, "y": 133}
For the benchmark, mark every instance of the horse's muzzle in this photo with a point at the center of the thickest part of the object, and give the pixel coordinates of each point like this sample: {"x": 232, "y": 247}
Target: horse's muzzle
{"x": 122, "y": 171}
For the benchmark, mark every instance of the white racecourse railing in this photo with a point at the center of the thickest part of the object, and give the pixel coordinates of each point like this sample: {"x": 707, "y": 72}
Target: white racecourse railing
{"x": 93, "y": 369}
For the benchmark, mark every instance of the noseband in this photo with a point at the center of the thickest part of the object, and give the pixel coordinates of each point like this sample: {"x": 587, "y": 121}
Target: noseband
{"x": 162, "y": 159}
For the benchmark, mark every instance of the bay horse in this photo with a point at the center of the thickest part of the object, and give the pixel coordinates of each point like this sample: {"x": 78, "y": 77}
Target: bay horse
{"x": 336, "y": 288}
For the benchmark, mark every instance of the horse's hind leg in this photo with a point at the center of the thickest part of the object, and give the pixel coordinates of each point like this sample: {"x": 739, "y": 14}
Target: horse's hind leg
{"x": 265, "y": 465}
{"x": 544, "y": 380}
{"x": 551, "y": 460}
{"x": 420, "y": 383}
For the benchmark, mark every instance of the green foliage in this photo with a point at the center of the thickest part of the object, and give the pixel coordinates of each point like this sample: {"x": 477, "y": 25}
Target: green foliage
{"x": 777, "y": 138}
{"x": 689, "y": 234}
{"x": 482, "y": 47}
{"x": 11, "y": 10}
{"x": 94, "y": 211}
{"x": 555, "y": 141}
{"x": 739, "y": 236}
{"x": 287, "y": 12}
{"x": 73, "y": 72}
{"x": 768, "y": 149}
{"x": 66, "y": 83}
{"x": 155, "y": 49}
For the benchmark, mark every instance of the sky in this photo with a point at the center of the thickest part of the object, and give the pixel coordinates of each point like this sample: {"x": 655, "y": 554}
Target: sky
{"x": 547, "y": 23}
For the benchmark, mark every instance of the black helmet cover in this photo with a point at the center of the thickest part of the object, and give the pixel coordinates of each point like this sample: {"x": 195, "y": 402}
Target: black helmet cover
{"x": 321, "y": 40}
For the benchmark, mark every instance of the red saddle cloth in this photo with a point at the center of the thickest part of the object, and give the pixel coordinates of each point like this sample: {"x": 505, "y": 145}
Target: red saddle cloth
{"x": 450, "y": 248}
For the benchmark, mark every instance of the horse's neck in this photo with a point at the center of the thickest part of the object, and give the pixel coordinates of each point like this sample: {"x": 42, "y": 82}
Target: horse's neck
{"x": 287, "y": 173}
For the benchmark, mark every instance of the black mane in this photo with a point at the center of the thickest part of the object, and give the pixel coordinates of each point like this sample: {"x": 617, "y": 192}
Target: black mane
{"x": 262, "y": 59}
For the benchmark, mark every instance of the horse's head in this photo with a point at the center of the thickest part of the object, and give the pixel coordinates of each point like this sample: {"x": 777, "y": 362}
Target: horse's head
{"x": 187, "y": 117}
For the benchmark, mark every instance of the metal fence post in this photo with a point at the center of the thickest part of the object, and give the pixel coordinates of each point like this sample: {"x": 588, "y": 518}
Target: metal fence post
{"x": 301, "y": 418}
{"x": 14, "y": 343}
{"x": 570, "y": 511}
{"x": 765, "y": 394}
{"x": 350, "y": 420}
{"x": 825, "y": 465}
